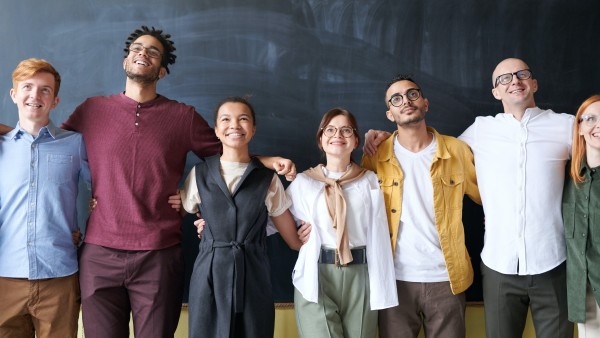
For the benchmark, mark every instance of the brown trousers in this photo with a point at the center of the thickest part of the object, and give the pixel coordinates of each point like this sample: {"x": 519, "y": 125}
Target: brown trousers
{"x": 43, "y": 308}
{"x": 432, "y": 305}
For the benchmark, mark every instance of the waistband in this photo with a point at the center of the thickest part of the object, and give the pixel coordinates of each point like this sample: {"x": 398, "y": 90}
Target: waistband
{"x": 330, "y": 256}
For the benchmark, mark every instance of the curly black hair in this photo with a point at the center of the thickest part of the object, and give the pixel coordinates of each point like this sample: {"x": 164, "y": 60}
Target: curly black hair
{"x": 168, "y": 57}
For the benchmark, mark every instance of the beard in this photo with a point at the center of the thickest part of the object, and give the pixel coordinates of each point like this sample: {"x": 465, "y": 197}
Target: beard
{"x": 412, "y": 120}
{"x": 147, "y": 78}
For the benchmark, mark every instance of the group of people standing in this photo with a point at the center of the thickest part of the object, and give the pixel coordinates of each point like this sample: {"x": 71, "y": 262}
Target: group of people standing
{"x": 382, "y": 245}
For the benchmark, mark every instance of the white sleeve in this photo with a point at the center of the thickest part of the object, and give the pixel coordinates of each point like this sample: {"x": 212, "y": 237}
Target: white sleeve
{"x": 190, "y": 197}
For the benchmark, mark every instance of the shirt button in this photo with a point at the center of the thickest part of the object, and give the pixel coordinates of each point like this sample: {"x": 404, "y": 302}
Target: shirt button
{"x": 583, "y": 234}
{"x": 32, "y": 146}
{"x": 138, "y": 114}
{"x": 136, "y": 123}
{"x": 139, "y": 106}
{"x": 393, "y": 210}
{"x": 396, "y": 183}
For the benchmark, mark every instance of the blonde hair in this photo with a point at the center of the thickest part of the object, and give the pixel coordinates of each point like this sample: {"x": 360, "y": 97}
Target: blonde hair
{"x": 578, "y": 150}
{"x": 29, "y": 67}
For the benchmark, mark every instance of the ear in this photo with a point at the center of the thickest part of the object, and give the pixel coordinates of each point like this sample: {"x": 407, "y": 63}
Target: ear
{"x": 124, "y": 63}
{"x": 496, "y": 93}
{"x": 162, "y": 72}
{"x": 13, "y": 94}
{"x": 390, "y": 116}
{"x": 534, "y": 86}
{"x": 426, "y": 105}
{"x": 55, "y": 103}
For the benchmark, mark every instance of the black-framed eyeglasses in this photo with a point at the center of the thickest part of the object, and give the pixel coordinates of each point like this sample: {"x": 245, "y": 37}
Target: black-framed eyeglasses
{"x": 412, "y": 94}
{"x": 151, "y": 51}
{"x": 330, "y": 131}
{"x": 589, "y": 120}
{"x": 507, "y": 78}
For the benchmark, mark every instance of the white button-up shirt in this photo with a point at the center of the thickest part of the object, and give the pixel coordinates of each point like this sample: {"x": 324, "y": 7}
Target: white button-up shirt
{"x": 520, "y": 169}
{"x": 365, "y": 218}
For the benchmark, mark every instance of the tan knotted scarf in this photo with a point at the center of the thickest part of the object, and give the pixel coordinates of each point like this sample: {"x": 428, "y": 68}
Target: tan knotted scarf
{"x": 336, "y": 204}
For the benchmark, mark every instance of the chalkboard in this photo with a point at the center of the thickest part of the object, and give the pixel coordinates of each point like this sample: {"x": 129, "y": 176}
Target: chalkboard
{"x": 299, "y": 58}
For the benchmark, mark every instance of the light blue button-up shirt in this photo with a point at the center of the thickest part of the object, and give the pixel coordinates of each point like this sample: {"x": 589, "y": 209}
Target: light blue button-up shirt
{"x": 39, "y": 181}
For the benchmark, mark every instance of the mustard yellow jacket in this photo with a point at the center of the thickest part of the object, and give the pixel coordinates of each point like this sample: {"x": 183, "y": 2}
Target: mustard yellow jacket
{"x": 453, "y": 176}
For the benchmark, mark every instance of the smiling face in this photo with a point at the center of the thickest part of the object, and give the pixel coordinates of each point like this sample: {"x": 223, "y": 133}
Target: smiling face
{"x": 234, "y": 125}
{"x": 140, "y": 66}
{"x": 589, "y": 127}
{"x": 337, "y": 145}
{"x": 409, "y": 113}
{"x": 517, "y": 95}
{"x": 35, "y": 97}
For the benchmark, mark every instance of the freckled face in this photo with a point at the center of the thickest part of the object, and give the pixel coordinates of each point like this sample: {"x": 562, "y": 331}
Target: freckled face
{"x": 35, "y": 97}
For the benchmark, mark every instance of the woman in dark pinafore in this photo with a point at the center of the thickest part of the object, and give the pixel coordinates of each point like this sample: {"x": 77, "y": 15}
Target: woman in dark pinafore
{"x": 230, "y": 289}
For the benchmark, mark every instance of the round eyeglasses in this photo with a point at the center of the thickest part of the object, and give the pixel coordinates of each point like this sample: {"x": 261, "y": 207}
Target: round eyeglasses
{"x": 412, "y": 94}
{"x": 330, "y": 131}
{"x": 151, "y": 51}
{"x": 589, "y": 120}
{"x": 507, "y": 78}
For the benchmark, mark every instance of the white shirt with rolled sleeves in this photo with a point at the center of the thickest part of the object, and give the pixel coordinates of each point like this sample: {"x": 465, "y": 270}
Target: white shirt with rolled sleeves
{"x": 367, "y": 225}
{"x": 520, "y": 169}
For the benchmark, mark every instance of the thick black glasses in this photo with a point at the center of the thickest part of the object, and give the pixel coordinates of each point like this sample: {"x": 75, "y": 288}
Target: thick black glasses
{"x": 507, "y": 78}
{"x": 411, "y": 95}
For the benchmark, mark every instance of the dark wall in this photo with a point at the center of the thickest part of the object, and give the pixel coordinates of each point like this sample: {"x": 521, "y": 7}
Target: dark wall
{"x": 298, "y": 58}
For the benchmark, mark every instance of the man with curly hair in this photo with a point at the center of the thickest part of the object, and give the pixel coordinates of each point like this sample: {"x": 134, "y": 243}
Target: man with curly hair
{"x": 131, "y": 260}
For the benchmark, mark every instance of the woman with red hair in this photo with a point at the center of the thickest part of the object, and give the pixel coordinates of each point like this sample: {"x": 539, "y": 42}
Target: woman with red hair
{"x": 581, "y": 213}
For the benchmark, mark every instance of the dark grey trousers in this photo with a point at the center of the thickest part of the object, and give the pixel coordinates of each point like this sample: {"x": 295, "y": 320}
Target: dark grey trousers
{"x": 507, "y": 299}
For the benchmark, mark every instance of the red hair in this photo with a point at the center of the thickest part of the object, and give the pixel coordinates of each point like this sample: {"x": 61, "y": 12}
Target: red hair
{"x": 28, "y": 68}
{"x": 578, "y": 151}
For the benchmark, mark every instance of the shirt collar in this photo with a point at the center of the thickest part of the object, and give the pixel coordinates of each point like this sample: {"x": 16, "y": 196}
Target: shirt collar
{"x": 529, "y": 114}
{"x": 584, "y": 169}
{"x": 387, "y": 146}
{"x": 53, "y": 131}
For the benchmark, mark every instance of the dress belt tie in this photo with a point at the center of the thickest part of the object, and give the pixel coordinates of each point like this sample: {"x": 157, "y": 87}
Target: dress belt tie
{"x": 239, "y": 271}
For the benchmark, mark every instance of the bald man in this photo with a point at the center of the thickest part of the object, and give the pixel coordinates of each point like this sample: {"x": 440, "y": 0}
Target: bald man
{"x": 520, "y": 158}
